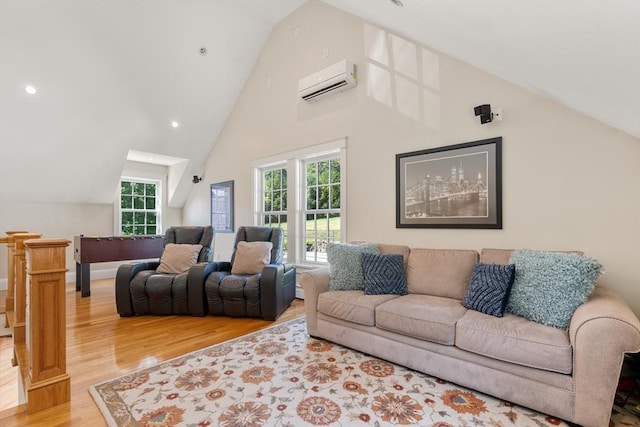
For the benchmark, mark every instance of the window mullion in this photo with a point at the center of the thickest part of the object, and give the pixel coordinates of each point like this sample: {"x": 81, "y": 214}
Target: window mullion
{"x": 327, "y": 189}
{"x": 138, "y": 217}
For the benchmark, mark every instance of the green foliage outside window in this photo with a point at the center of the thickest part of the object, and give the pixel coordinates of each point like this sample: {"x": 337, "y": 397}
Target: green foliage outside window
{"x": 138, "y": 208}
{"x": 323, "y": 185}
{"x": 274, "y": 196}
{"x": 322, "y": 205}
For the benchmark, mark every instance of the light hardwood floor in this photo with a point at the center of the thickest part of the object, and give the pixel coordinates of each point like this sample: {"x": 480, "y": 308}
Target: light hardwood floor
{"x": 101, "y": 346}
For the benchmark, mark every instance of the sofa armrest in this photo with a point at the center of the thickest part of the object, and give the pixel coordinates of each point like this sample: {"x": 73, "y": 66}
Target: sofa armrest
{"x": 601, "y": 331}
{"x": 125, "y": 273}
{"x": 222, "y": 265}
{"x": 314, "y": 282}
{"x": 277, "y": 289}
{"x": 196, "y": 296}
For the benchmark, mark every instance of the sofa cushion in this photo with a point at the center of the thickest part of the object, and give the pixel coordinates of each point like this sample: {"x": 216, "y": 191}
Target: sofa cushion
{"x": 440, "y": 272}
{"x": 345, "y": 264}
{"x": 421, "y": 316}
{"x": 515, "y": 339}
{"x": 550, "y": 286}
{"x": 178, "y": 258}
{"x": 495, "y": 256}
{"x": 502, "y": 256}
{"x": 352, "y": 306}
{"x": 383, "y": 274}
{"x": 489, "y": 288}
{"x": 386, "y": 248}
{"x": 251, "y": 257}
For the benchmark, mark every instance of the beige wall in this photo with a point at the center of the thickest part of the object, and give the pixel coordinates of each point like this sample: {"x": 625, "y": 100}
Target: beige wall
{"x": 65, "y": 220}
{"x": 569, "y": 182}
{"x": 55, "y": 220}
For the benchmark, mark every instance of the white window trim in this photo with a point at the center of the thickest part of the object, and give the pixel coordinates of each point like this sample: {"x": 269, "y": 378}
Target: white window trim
{"x": 293, "y": 161}
{"x": 150, "y": 178}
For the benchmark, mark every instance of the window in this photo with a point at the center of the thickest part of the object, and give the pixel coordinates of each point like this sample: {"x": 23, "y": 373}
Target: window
{"x": 303, "y": 192}
{"x": 139, "y": 207}
{"x": 274, "y": 201}
{"x": 222, "y": 207}
{"x": 322, "y": 207}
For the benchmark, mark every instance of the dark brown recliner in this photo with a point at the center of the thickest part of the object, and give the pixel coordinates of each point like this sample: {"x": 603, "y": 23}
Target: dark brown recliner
{"x": 266, "y": 294}
{"x": 141, "y": 290}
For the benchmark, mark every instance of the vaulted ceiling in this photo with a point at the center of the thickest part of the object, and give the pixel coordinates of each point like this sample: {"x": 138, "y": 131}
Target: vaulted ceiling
{"x": 111, "y": 76}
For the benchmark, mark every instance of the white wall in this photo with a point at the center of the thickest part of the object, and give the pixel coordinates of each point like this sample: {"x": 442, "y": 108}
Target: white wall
{"x": 569, "y": 182}
{"x": 66, "y": 220}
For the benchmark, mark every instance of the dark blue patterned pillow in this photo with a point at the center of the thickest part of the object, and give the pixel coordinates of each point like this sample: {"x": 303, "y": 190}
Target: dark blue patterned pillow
{"x": 489, "y": 288}
{"x": 383, "y": 274}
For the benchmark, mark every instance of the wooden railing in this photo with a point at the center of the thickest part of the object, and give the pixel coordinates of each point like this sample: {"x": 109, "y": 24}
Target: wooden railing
{"x": 10, "y": 242}
{"x": 36, "y": 315}
{"x": 19, "y": 320}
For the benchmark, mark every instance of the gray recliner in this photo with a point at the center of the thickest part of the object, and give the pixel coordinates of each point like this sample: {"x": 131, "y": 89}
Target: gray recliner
{"x": 266, "y": 294}
{"x": 141, "y": 290}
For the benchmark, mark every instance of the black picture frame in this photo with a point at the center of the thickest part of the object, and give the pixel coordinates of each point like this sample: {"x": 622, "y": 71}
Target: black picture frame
{"x": 222, "y": 207}
{"x": 462, "y": 183}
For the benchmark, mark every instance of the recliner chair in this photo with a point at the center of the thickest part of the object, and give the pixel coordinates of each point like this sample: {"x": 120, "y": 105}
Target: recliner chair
{"x": 140, "y": 289}
{"x": 265, "y": 293}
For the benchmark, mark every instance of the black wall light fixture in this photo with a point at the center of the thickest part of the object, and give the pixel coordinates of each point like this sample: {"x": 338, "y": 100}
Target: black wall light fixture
{"x": 196, "y": 179}
{"x": 484, "y": 111}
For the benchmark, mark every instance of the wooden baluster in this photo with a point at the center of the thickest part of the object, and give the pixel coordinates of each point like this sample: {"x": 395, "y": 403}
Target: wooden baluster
{"x": 20, "y": 287}
{"x": 10, "y": 274}
{"x": 9, "y": 297}
{"x": 46, "y": 381}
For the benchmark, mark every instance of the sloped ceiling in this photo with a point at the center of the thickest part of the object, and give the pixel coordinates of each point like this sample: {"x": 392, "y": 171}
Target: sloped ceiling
{"x": 113, "y": 75}
{"x": 582, "y": 54}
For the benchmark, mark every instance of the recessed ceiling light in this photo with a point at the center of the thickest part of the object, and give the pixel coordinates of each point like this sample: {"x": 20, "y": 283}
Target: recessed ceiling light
{"x": 175, "y": 124}
{"x": 31, "y": 90}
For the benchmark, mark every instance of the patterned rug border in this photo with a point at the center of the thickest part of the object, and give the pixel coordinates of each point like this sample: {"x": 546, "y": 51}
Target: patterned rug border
{"x": 123, "y": 401}
{"x": 106, "y": 414}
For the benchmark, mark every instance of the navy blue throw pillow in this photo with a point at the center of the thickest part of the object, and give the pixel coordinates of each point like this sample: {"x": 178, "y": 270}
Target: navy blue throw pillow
{"x": 383, "y": 274}
{"x": 489, "y": 288}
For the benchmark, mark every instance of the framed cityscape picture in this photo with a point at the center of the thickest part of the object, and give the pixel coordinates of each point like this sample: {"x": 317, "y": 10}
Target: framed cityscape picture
{"x": 457, "y": 186}
{"x": 222, "y": 207}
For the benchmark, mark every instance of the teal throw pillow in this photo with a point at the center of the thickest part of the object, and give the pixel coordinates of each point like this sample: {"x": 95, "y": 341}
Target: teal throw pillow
{"x": 489, "y": 288}
{"x": 384, "y": 274}
{"x": 550, "y": 286}
{"x": 345, "y": 265}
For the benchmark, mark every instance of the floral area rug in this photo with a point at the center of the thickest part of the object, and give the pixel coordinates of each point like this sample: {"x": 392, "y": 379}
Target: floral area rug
{"x": 282, "y": 377}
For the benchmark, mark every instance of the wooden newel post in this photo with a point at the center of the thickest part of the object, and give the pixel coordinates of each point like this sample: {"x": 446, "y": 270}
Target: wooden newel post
{"x": 47, "y": 382}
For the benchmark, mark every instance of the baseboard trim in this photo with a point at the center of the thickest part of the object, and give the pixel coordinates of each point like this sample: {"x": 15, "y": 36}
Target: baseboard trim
{"x": 70, "y": 277}
{"x": 107, "y": 273}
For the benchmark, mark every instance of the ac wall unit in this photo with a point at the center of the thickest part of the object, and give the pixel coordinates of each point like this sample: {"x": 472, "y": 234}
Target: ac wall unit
{"x": 333, "y": 79}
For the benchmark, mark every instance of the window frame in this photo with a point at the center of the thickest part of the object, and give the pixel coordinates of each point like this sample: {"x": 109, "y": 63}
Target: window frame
{"x": 261, "y": 212}
{"x": 294, "y": 162}
{"x": 158, "y": 205}
{"x": 306, "y": 211}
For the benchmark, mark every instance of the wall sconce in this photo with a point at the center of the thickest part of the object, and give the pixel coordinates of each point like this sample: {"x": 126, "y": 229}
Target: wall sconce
{"x": 196, "y": 179}
{"x": 486, "y": 115}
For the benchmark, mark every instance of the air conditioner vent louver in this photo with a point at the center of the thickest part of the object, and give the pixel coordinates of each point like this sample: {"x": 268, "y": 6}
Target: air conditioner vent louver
{"x": 336, "y": 78}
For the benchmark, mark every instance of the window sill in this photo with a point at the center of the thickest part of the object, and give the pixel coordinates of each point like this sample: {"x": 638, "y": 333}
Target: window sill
{"x": 308, "y": 267}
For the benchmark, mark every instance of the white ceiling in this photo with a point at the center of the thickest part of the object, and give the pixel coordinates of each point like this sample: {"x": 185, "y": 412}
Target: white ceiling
{"x": 584, "y": 54}
{"x": 112, "y": 75}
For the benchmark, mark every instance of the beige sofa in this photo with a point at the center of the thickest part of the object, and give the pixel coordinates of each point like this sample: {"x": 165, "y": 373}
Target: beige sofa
{"x": 570, "y": 374}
